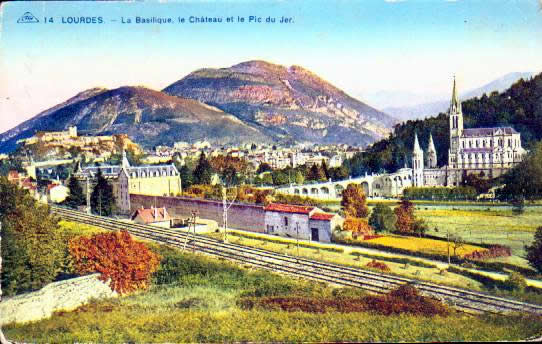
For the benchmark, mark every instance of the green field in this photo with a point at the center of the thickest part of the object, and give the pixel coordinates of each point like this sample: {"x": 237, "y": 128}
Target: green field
{"x": 195, "y": 299}
{"x": 488, "y": 225}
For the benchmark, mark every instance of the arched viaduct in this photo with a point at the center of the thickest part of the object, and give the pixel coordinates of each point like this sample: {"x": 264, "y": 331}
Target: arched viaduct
{"x": 374, "y": 185}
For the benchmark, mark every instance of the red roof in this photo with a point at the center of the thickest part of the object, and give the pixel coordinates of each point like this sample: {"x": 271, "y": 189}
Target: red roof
{"x": 287, "y": 208}
{"x": 322, "y": 216}
{"x": 152, "y": 215}
{"x": 13, "y": 175}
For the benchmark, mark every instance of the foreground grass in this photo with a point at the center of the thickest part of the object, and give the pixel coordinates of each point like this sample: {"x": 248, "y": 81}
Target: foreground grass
{"x": 194, "y": 299}
{"x": 137, "y": 324}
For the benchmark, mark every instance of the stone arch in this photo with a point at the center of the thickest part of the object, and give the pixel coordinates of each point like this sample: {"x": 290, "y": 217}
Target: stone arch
{"x": 314, "y": 191}
{"x": 305, "y": 191}
{"x": 324, "y": 190}
{"x": 296, "y": 191}
{"x": 339, "y": 190}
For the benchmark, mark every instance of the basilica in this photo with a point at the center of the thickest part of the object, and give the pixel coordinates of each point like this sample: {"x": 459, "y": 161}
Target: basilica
{"x": 488, "y": 152}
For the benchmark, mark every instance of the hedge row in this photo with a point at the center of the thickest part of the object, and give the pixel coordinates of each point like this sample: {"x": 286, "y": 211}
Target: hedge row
{"x": 489, "y": 266}
{"x": 489, "y": 282}
{"x": 283, "y": 241}
{"x": 399, "y": 260}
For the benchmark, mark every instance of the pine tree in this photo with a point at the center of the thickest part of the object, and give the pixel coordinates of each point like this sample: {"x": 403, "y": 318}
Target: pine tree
{"x": 203, "y": 171}
{"x": 325, "y": 170}
{"x": 534, "y": 252}
{"x": 102, "y": 199}
{"x": 76, "y": 196}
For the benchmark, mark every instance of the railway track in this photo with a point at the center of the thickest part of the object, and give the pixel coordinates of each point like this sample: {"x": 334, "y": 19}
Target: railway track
{"x": 463, "y": 300}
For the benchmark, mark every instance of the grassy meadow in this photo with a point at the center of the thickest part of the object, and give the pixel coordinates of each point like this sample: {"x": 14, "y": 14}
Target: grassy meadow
{"x": 490, "y": 225}
{"x": 194, "y": 298}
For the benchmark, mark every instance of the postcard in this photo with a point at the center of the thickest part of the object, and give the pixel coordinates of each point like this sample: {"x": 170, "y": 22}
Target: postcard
{"x": 218, "y": 171}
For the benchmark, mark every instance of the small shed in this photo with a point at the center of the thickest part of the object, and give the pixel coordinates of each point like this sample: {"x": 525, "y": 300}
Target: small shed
{"x": 152, "y": 216}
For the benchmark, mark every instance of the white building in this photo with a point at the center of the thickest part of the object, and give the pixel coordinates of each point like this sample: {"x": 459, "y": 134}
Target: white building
{"x": 488, "y": 152}
{"x": 303, "y": 222}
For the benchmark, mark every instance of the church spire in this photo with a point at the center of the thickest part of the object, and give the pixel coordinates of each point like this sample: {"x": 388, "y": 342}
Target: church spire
{"x": 417, "y": 147}
{"x": 431, "y": 144}
{"x": 125, "y": 162}
{"x": 455, "y": 98}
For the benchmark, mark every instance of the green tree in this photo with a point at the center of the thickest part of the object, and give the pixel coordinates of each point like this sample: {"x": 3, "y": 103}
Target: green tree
{"x": 316, "y": 173}
{"x": 534, "y": 251}
{"x": 102, "y": 200}
{"x": 203, "y": 171}
{"x": 264, "y": 167}
{"x": 299, "y": 177}
{"x": 76, "y": 196}
{"x": 354, "y": 201}
{"x": 280, "y": 178}
{"x": 382, "y": 218}
{"x": 325, "y": 170}
{"x": 33, "y": 247}
{"x": 187, "y": 178}
{"x": 525, "y": 180}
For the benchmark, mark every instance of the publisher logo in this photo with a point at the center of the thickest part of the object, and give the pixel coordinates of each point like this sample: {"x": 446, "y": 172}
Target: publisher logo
{"x": 28, "y": 17}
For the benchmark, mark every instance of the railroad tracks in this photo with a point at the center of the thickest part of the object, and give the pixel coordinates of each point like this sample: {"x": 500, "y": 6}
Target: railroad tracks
{"x": 463, "y": 300}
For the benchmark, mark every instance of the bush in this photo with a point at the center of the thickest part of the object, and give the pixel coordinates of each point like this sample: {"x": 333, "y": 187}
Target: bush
{"x": 358, "y": 227}
{"x": 494, "y": 251}
{"x": 117, "y": 257}
{"x": 404, "y": 299}
{"x": 515, "y": 282}
{"x": 377, "y": 265}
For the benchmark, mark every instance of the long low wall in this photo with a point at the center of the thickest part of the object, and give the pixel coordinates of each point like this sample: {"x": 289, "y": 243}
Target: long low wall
{"x": 248, "y": 217}
{"x": 63, "y": 295}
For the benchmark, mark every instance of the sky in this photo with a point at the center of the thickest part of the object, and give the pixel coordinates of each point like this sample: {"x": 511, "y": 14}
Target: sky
{"x": 362, "y": 47}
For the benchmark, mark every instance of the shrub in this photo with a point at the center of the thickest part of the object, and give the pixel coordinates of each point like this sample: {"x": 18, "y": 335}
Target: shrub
{"x": 377, "y": 265}
{"x": 117, "y": 257}
{"x": 515, "y": 282}
{"x": 358, "y": 227}
{"x": 492, "y": 252}
{"x": 404, "y": 299}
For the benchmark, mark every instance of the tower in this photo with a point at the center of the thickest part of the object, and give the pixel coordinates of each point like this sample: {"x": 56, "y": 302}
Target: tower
{"x": 431, "y": 153}
{"x": 417, "y": 163}
{"x": 456, "y": 120}
{"x": 125, "y": 162}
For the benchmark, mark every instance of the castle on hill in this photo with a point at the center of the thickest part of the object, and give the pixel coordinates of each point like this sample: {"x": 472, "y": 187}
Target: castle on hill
{"x": 488, "y": 152}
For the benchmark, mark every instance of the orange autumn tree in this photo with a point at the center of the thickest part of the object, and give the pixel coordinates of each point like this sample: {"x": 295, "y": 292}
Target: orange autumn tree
{"x": 358, "y": 226}
{"x": 405, "y": 216}
{"x": 128, "y": 264}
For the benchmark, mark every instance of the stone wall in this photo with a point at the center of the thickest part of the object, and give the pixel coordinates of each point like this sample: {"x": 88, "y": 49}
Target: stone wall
{"x": 63, "y": 295}
{"x": 242, "y": 216}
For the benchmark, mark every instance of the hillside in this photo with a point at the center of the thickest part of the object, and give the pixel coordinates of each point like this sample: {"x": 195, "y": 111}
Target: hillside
{"x": 432, "y": 108}
{"x": 289, "y": 101}
{"x": 148, "y": 117}
{"x": 520, "y": 106}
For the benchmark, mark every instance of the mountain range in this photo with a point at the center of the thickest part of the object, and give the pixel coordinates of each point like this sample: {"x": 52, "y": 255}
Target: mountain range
{"x": 433, "y": 108}
{"x": 253, "y": 101}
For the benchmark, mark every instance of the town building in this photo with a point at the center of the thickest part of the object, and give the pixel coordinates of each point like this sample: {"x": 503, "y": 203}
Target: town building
{"x": 152, "y": 180}
{"x": 303, "y": 222}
